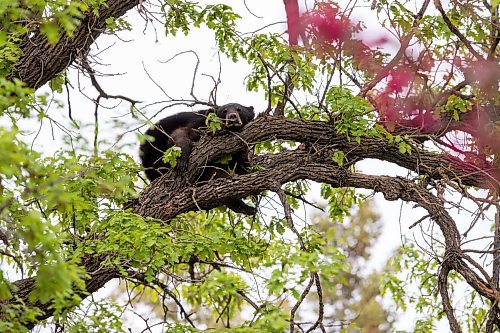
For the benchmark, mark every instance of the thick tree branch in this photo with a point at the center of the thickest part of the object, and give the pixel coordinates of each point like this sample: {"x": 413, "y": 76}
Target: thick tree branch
{"x": 98, "y": 276}
{"x": 279, "y": 169}
{"x": 41, "y": 61}
{"x": 295, "y": 165}
{"x": 319, "y": 134}
{"x": 173, "y": 194}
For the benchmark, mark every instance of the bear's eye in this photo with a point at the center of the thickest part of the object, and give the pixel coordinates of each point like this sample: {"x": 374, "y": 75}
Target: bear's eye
{"x": 238, "y": 109}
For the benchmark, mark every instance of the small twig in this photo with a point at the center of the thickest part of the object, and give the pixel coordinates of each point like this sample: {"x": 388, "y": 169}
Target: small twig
{"x": 279, "y": 111}
{"x": 443, "y": 290}
{"x": 455, "y": 30}
{"x": 133, "y": 275}
{"x": 288, "y": 216}
{"x": 269, "y": 83}
{"x": 301, "y": 198}
{"x": 299, "y": 302}
{"x": 321, "y": 306}
{"x": 253, "y": 14}
{"x": 16, "y": 260}
{"x": 96, "y": 125}
{"x": 67, "y": 84}
{"x": 195, "y": 71}
{"x": 418, "y": 221}
{"x": 155, "y": 83}
{"x": 248, "y": 300}
{"x": 90, "y": 71}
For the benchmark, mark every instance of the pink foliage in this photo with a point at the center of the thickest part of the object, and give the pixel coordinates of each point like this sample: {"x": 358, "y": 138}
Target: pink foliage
{"x": 328, "y": 27}
{"x": 399, "y": 78}
{"x": 485, "y": 75}
{"x": 400, "y": 94}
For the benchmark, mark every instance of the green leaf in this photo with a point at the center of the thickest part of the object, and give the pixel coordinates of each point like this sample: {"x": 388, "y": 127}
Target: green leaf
{"x": 338, "y": 157}
{"x": 171, "y": 155}
{"x": 51, "y": 30}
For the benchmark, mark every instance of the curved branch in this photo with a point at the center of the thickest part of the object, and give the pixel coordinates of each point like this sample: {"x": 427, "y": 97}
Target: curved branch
{"x": 443, "y": 290}
{"x": 275, "y": 169}
{"x": 173, "y": 194}
{"x": 98, "y": 276}
{"x": 319, "y": 133}
{"x": 295, "y": 165}
{"x": 41, "y": 61}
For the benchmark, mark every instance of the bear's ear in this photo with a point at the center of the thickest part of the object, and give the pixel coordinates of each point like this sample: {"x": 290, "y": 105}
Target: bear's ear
{"x": 252, "y": 113}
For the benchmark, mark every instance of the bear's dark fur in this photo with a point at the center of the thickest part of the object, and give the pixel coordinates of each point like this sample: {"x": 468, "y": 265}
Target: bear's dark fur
{"x": 181, "y": 130}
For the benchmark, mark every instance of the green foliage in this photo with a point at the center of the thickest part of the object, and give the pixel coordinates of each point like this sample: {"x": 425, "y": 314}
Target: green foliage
{"x": 220, "y": 292}
{"x": 354, "y": 116}
{"x": 117, "y": 24}
{"x": 54, "y": 17}
{"x": 46, "y": 202}
{"x": 171, "y": 155}
{"x": 338, "y": 157}
{"x": 414, "y": 284}
{"x": 272, "y": 320}
{"x": 183, "y": 15}
{"x": 340, "y": 201}
{"x": 16, "y": 316}
{"x": 269, "y": 320}
{"x": 9, "y": 55}
{"x": 456, "y": 106}
{"x": 224, "y": 159}
{"x": 403, "y": 142}
{"x": 267, "y": 51}
{"x": 214, "y": 123}
{"x": 56, "y": 84}
{"x": 404, "y": 147}
{"x": 99, "y": 317}
{"x": 14, "y": 97}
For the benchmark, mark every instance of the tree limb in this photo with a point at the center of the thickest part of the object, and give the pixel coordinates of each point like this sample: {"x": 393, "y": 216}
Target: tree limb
{"x": 173, "y": 194}
{"x": 41, "y": 61}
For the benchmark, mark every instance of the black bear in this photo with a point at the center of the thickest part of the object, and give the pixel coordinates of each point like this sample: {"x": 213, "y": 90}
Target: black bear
{"x": 181, "y": 130}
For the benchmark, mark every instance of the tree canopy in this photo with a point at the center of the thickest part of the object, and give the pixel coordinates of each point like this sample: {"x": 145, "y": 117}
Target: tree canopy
{"x": 341, "y": 84}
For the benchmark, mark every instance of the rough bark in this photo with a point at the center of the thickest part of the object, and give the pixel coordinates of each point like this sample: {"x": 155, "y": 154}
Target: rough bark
{"x": 321, "y": 139}
{"x": 41, "y": 61}
{"x": 172, "y": 194}
{"x": 98, "y": 276}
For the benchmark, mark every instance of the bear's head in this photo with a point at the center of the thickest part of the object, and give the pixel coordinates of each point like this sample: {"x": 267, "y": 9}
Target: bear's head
{"x": 235, "y": 115}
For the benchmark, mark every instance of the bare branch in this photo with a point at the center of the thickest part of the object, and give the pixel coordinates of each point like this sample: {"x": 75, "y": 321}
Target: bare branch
{"x": 41, "y": 61}
{"x": 455, "y": 30}
{"x": 443, "y": 290}
{"x": 299, "y": 302}
{"x": 405, "y": 41}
